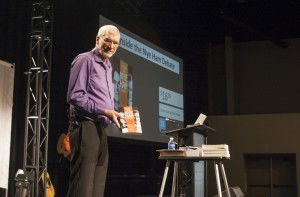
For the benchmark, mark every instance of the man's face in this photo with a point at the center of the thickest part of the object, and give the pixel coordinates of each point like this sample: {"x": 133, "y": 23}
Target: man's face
{"x": 107, "y": 44}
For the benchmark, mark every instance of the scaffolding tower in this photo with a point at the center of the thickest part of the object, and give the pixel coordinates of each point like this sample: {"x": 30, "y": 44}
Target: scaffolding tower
{"x": 38, "y": 95}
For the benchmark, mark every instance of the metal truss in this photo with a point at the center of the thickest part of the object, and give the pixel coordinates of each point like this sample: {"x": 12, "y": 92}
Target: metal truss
{"x": 38, "y": 95}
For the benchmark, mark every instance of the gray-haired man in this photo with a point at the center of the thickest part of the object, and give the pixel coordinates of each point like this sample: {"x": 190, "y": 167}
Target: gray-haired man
{"x": 90, "y": 95}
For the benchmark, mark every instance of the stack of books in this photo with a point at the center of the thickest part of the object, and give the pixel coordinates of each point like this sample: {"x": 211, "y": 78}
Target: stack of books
{"x": 207, "y": 150}
{"x": 215, "y": 150}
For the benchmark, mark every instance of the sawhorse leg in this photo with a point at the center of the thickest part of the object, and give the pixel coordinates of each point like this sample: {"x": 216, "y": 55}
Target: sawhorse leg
{"x": 224, "y": 178}
{"x": 174, "y": 183}
{"x": 218, "y": 164}
{"x": 218, "y": 179}
{"x": 162, "y": 188}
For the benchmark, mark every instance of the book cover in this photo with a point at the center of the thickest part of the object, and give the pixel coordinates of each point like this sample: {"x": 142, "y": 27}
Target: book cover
{"x": 171, "y": 153}
{"x": 131, "y": 122}
{"x": 181, "y": 152}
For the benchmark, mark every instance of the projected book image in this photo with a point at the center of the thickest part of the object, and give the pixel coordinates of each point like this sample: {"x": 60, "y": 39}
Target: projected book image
{"x": 131, "y": 122}
{"x": 122, "y": 78}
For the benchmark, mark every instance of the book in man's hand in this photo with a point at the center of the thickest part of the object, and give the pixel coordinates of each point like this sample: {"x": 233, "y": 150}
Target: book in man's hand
{"x": 131, "y": 122}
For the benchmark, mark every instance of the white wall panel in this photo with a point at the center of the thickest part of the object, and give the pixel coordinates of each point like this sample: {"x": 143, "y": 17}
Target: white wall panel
{"x": 6, "y": 103}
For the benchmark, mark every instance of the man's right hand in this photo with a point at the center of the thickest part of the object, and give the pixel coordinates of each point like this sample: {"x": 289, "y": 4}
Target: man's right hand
{"x": 113, "y": 116}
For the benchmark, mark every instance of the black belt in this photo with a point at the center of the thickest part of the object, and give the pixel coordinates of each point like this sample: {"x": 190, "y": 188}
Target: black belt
{"x": 75, "y": 122}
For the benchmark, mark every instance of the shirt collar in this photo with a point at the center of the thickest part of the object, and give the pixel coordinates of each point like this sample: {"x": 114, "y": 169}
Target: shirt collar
{"x": 99, "y": 59}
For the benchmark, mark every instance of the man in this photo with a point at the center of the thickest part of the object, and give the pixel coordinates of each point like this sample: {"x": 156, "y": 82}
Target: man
{"x": 90, "y": 95}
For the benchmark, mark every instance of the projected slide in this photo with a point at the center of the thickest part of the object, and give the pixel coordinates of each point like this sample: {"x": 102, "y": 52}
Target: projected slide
{"x": 149, "y": 78}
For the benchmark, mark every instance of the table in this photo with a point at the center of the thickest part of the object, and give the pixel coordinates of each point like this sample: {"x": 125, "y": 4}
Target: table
{"x": 218, "y": 163}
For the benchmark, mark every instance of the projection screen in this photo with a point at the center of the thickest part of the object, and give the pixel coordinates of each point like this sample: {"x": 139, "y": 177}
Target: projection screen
{"x": 149, "y": 78}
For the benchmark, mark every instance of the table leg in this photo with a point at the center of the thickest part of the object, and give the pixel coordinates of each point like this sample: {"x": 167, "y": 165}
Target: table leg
{"x": 164, "y": 179}
{"x": 218, "y": 179}
{"x": 174, "y": 179}
{"x": 224, "y": 178}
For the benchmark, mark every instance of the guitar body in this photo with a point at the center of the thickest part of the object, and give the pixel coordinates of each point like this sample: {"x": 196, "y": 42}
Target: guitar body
{"x": 50, "y": 191}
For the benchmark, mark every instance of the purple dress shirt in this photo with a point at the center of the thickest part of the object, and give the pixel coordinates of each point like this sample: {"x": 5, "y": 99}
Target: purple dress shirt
{"x": 90, "y": 89}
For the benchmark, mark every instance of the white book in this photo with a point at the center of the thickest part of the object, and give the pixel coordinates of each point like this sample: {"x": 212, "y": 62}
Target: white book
{"x": 215, "y": 146}
{"x": 215, "y": 150}
{"x": 215, "y": 155}
{"x": 204, "y": 153}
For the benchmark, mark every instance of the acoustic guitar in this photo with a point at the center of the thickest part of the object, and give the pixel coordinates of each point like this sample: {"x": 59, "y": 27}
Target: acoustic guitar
{"x": 50, "y": 191}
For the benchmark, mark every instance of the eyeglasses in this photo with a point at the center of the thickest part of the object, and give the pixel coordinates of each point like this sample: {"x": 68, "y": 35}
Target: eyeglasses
{"x": 109, "y": 41}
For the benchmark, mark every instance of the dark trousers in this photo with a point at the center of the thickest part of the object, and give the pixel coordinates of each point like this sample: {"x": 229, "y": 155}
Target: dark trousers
{"x": 89, "y": 160}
